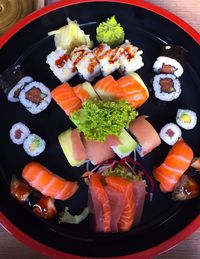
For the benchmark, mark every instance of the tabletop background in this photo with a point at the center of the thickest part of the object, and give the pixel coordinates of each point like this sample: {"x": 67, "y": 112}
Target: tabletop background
{"x": 10, "y": 248}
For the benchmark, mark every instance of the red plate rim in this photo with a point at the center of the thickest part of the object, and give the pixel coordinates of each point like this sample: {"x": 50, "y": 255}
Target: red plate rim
{"x": 43, "y": 249}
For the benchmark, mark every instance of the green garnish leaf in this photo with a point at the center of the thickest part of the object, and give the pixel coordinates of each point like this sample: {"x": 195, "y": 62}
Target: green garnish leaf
{"x": 66, "y": 217}
{"x": 98, "y": 119}
{"x": 110, "y": 32}
{"x": 123, "y": 172}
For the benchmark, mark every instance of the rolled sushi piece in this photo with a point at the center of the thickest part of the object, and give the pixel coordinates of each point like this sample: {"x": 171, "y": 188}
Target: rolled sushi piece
{"x": 85, "y": 62}
{"x": 35, "y": 97}
{"x": 13, "y": 95}
{"x": 170, "y": 60}
{"x": 108, "y": 58}
{"x": 19, "y": 132}
{"x": 130, "y": 58}
{"x": 186, "y": 119}
{"x": 123, "y": 145}
{"x": 61, "y": 65}
{"x": 166, "y": 87}
{"x": 170, "y": 133}
{"x": 85, "y": 91}
{"x": 34, "y": 145}
{"x": 146, "y": 135}
{"x": 72, "y": 147}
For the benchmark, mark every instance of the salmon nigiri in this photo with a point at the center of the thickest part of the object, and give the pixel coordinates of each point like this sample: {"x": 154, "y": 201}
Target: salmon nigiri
{"x": 175, "y": 164}
{"x": 66, "y": 98}
{"x": 99, "y": 204}
{"x": 133, "y": 90}
{"x": 48, "y": 183}
{"x": 128, "y": 214}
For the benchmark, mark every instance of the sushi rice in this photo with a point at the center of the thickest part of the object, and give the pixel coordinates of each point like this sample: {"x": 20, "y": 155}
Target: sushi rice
{"x": 186, "y": 119}
{"x": 31, "y": 106}
{"x": 19, "y": 132}
{"x": 65, "y": 71}
{"x": 18, "y": 87}
{"x": 170, "y": 133}
{"x": 168, "y": 61}
{"x": 34, "y": 145}
{"x": 164, "y": 96}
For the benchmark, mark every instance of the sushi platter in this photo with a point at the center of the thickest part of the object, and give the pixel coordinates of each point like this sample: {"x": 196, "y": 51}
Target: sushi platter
{"x": 100, "y": 129}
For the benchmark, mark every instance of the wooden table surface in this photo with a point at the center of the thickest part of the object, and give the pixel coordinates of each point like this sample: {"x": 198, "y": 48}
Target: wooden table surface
{"x": 190, "y": 248}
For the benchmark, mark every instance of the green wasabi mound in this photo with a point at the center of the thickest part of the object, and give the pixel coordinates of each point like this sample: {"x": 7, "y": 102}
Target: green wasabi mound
{"x": 98, "y": 119}
{"x": 110, "y": 32}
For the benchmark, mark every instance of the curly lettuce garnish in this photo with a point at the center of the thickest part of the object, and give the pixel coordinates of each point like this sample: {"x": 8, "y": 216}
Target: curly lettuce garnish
{"x": 66, "y": 217}
{"x": 110, "y": 32}
{"x": 98, "y": 119}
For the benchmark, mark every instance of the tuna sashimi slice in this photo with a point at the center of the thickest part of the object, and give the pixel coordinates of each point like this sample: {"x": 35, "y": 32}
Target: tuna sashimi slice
{"x": 97, "y": 152}
{"x": 117, "y": 203}
{"x": 146, "y": 135}
{"x": 99, "y": 204}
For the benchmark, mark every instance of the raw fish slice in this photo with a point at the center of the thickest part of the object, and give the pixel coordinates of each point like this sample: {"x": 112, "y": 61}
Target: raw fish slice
{"x": 128, "y": 214}
{"x": 99, "y": 196}
{"x": 117, "y": 203}
{"x": 108, "y": 89}
{"x": 97, "y": 152}
{"x": 85, "y": 91}
{"x": 175, "y": 164}
{"x": 66, "y": 98}
{"x": 47, "y": 183}
{"x": 146, "y": 135}
{"x": 133, "y": 90}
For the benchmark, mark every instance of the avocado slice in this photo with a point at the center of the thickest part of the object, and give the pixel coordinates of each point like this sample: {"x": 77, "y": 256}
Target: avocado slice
{"x": 65, "y": 141}
{"x": 185, "y": 118}
{"x": 127, "y": 145}
{"x": 35, "y": 144}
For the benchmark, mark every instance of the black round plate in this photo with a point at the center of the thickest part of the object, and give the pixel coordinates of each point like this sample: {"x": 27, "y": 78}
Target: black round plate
{"x": 162, "y": 217}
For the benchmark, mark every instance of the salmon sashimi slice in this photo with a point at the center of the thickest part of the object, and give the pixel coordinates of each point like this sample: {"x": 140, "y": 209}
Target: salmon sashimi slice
{"x": 100, "y": 204}
{"x": 66, "y": 98}
{"x": 127, "y": 217}
{"x": 175, "y": 164}
{"x": 48, "y": 183}
{"x": 108, "y": 89}
{"x": 145, "y": 134}
{"x": 133, "y": 89}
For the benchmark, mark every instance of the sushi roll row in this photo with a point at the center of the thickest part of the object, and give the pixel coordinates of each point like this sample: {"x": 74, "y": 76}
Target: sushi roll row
{"x": 168, "y": 68}
{"x": 90, "y": 63}
{"x": 33, "y": 95}
{"x": 171, "y": 133}
{"x": 32, "y": 143}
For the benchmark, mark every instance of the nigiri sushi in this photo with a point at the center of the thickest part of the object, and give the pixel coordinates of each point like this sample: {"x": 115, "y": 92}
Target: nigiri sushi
{"x": 85, "y": 62}
{"x": 66, "y": 98}
{"x": 175, "y": 164}
{"x": 49, "y": 184}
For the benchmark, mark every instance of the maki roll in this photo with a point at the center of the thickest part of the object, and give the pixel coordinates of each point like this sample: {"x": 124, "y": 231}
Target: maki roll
{"x": 186, "y": 119}
{"x": 12, "y": 81}
{"x": 35, "y": 97}
{"x": 34, "y": 145}
{"x": 170, "y": 133}
{"x": 85, "y": 62}
{"x": 167, "y": 87}
{"x": 61, "y": 65}
{"x": 108, "y": 58}
{"x": 13, "y": 95}
{"x": 130, "y": 58}
{"x": 19, "y": 132}
{"x": 170, "y": 61}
